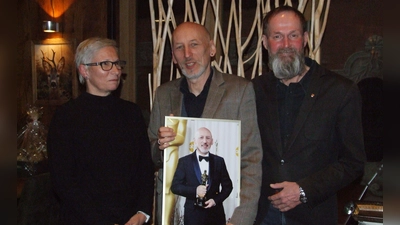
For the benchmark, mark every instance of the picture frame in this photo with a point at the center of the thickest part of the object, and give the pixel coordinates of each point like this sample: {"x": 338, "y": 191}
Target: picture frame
{"x": 54, "y": 80}
{"x": 226, "y": 136}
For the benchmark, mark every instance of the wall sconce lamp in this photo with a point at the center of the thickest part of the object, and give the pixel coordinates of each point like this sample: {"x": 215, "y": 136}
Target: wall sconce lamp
{"x": 50, "y": 26}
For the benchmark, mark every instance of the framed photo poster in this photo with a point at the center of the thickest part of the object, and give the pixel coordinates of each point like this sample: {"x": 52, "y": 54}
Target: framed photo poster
{"x": 223, "y": 141}
{"x": 54, "y": 78}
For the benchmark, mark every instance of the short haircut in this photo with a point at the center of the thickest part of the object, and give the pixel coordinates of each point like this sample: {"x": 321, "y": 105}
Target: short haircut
{"x": 284, "y": 8}
{"x": 88, "y": 48}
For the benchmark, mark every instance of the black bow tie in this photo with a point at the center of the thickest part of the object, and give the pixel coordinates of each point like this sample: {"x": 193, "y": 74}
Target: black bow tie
{"x": 203, "y": 157}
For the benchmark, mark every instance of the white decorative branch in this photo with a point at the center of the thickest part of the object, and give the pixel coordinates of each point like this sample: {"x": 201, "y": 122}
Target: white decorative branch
{"x": 163, "y": 26}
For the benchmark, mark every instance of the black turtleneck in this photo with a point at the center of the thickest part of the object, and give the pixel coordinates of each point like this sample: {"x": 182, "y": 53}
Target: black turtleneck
{"x": 100, "y": 160}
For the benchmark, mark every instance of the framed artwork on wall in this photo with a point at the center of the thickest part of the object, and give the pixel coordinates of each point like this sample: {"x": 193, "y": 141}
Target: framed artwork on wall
{"x": 184, "y": 171}
{"x": 54, "y": 80}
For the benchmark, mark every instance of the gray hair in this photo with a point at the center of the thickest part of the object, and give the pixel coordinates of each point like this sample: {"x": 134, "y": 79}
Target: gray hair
{"x": 283, "y": 8}
{"x": 88, "y": 48}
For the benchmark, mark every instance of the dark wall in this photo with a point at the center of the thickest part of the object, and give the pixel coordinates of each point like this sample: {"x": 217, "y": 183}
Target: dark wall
{"x": 350, "y": 24}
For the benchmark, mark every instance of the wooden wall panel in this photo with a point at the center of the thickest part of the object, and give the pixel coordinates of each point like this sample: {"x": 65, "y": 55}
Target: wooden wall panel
{"x": 350, "y": 24}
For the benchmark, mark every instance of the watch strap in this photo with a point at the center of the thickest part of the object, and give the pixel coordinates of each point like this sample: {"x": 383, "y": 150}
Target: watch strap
{"x": 303, "y": 197}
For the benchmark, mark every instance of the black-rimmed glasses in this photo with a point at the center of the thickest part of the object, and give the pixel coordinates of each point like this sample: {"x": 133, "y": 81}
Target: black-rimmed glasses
{"x": 108, "y": 65}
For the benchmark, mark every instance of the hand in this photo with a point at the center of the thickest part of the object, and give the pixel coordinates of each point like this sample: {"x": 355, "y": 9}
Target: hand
{"x": 201, "y": 190}
{"x": 137, "y": 219}
{"x": 287, "y": 198}
{"x": 210, "y": 203}
{"x": 165, "y": 135}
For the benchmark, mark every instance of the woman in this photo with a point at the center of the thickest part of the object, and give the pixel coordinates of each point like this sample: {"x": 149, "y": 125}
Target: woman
{"x": 99, "y": 152}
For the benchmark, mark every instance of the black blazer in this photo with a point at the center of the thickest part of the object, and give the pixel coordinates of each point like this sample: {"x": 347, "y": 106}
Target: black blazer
{"x": 325, "y": 151}
{"x": 186, "y": 179}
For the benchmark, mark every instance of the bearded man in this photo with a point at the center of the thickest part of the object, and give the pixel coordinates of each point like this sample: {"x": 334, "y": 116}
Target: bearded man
{"x": 310, "y": 125}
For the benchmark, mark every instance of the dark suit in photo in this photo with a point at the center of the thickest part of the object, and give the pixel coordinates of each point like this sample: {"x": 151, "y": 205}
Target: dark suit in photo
{"x": 186, "y": 179}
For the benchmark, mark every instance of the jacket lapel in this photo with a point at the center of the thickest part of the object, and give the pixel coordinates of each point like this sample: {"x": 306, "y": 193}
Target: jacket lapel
{"x": 176, "y": 99}
{"x": 211, "y": 169}
{"x": 272, "y": 107}
{"x": 215, "y": 94}
{"x": 196, "y": 166}
{"x": 308, "y": 102}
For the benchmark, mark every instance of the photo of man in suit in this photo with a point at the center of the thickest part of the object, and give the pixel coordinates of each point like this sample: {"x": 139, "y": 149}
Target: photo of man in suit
{"x": 188, "y": 182}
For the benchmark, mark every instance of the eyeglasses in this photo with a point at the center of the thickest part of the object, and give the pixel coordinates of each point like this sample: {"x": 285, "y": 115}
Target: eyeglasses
{"x": 108, "y": 65}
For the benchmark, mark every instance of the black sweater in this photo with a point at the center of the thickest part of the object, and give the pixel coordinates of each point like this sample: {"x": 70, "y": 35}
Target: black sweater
{"x": 100, "y": 161}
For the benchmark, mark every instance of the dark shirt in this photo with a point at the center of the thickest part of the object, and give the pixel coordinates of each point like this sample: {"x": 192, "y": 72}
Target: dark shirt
{"x": 193, "y": 105}
{"x": 290, "y": 99}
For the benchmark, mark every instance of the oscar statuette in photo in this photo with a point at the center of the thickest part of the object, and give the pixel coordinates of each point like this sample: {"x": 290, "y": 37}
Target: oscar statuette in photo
{"x": 200, "y": 201}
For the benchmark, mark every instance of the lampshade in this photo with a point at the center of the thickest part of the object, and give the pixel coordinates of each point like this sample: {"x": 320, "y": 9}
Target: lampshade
{"x": 50, "y": 26}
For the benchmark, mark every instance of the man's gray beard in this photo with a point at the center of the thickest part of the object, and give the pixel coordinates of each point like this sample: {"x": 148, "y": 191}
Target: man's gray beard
{"x": 287, "y": 70}
{"x": 193, "y": 76}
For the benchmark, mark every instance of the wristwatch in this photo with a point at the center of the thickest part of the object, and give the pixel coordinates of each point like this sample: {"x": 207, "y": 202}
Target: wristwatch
{"x": 303, "y": 197}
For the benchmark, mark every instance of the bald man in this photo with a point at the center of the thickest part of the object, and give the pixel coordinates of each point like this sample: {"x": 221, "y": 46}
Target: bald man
{"x": 204, "y": 92}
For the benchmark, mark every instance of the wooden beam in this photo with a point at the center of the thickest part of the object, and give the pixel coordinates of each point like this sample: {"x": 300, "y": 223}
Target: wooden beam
{"x": 127, "y": 47}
